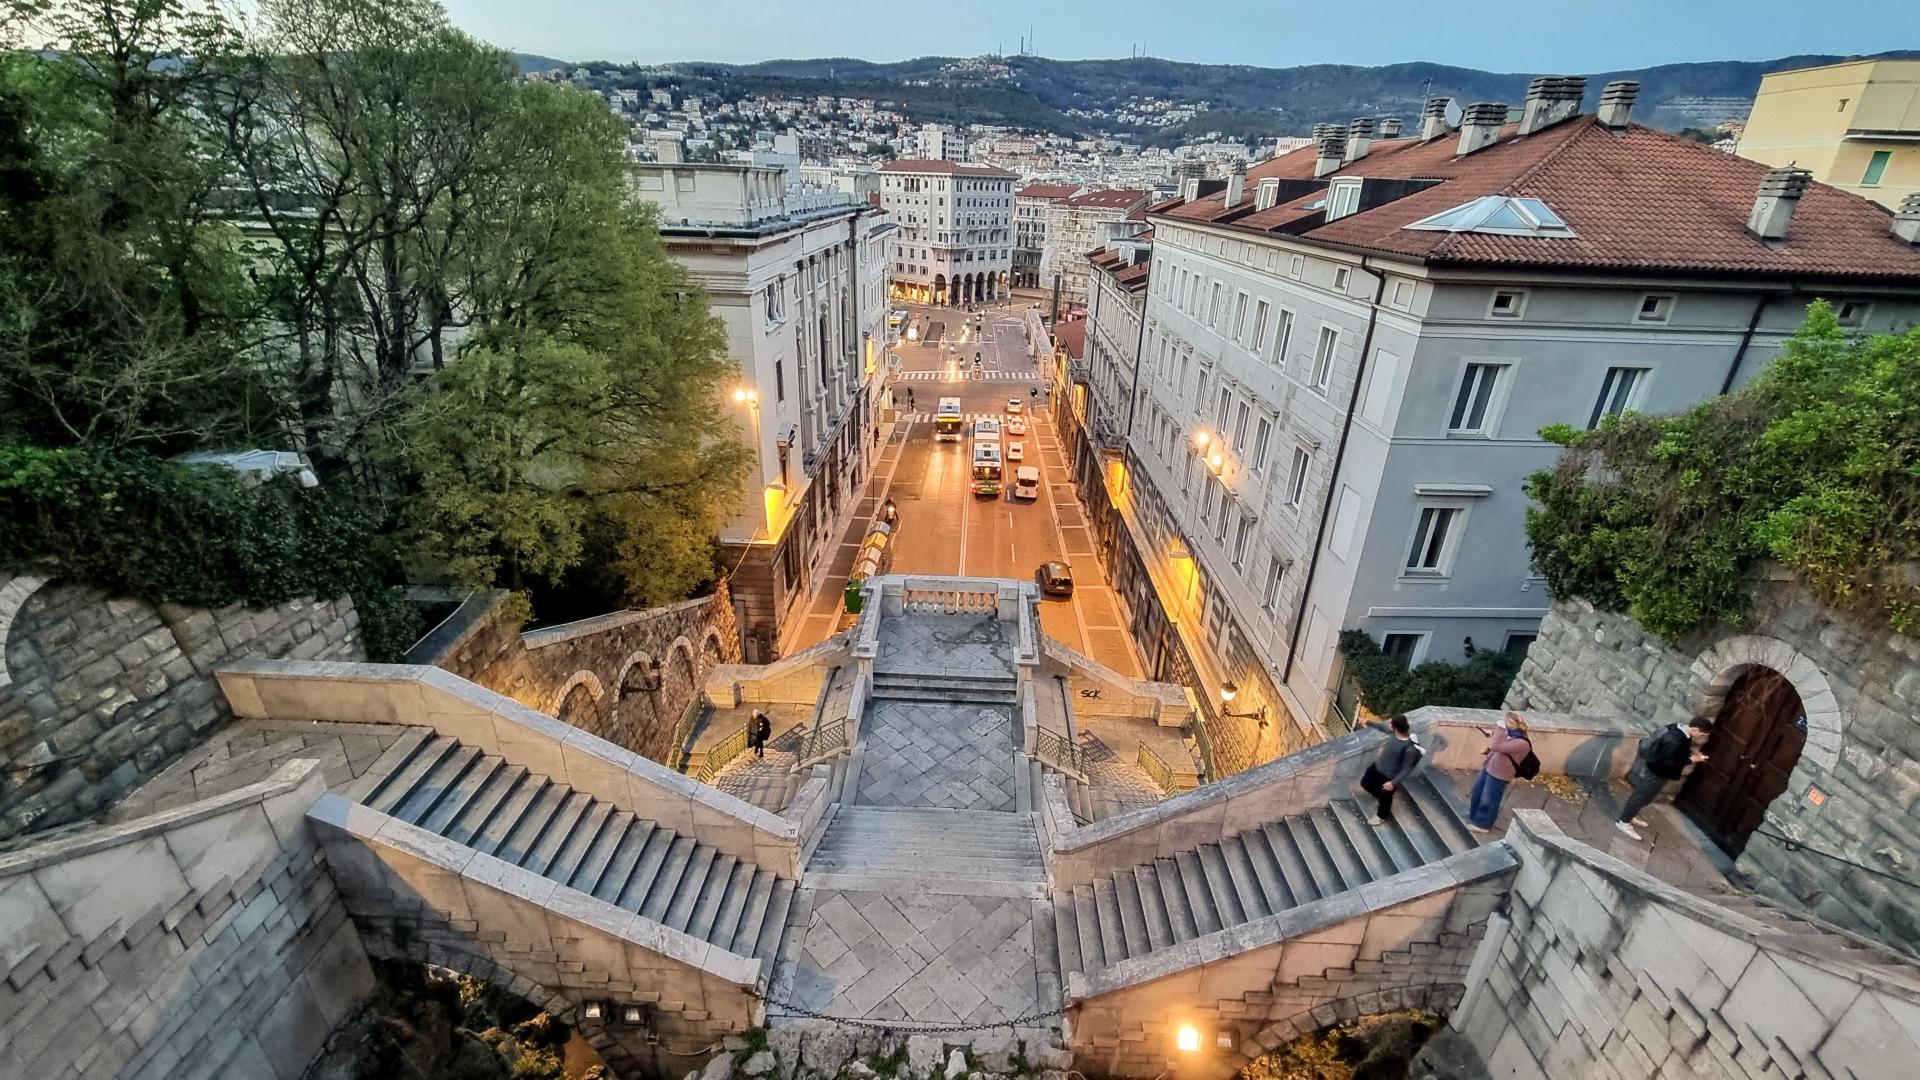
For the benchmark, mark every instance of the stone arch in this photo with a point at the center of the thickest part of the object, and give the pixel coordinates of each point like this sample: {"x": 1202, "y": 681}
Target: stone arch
{"x": 637, "y": 659}
{"x": 1278, "y": 1031}
{"x": 579, "y": 678}
{"x": 1719, "y": 666}
{"x": 713, "y": 649}
{"x": 13, "y": 596}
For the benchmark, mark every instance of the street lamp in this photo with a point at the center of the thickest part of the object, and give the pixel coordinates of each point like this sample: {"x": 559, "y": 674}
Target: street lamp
{"x": 1228, "y": 691}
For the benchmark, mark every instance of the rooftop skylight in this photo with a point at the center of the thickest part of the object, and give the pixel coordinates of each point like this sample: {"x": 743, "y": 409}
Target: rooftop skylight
{"x": 1500, "y": 215}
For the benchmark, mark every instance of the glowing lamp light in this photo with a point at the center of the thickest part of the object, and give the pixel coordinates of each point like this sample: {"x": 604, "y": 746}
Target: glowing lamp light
{"x": 1228, "y": 691}
{"x": 1216, "y": 461}
{"x": 1188, "y": 1039}
{"x": 744, "y": 395}
{"x": 1201, "y": 439}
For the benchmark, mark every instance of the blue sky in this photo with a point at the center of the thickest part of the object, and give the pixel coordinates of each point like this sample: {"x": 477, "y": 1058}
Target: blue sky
{"x": 1538, "y": 35}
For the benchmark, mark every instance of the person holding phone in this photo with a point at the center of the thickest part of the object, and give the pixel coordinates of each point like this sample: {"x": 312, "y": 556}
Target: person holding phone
{"x": 1507, "y": 746}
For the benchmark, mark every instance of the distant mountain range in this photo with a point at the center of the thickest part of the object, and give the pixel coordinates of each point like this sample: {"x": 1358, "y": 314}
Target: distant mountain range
{"x": 1059, "y": 95}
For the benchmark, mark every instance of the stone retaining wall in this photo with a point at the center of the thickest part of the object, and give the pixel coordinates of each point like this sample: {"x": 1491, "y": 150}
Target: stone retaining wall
{"x": 203, "y": 942}
{"x": 595, "y": 673}
{"x": 98, "y": 694}
{"x": 1855, "y": 794}
{"x": 1601, "y": 970}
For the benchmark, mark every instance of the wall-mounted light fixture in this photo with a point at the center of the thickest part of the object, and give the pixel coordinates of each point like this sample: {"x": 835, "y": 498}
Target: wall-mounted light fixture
{"x": 1202, "y": 439}
{"x": 1188, "y": 1039}
{"x": 1228, "y": 691}
{"x": 593, "y": 1012}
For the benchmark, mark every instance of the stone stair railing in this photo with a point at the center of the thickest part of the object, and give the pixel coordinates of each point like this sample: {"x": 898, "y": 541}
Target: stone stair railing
{"x": 457, "y": 709}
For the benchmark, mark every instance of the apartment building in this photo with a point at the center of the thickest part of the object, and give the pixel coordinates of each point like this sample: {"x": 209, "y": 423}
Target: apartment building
{"x": 1348, "y": 353}
{"x": 1854, "y": 125}
{"x": 1032, "y": 210}
{"x": 1081, "y": 223}
{"x": 798, "y": 275}
{"x": 954, "y": 242}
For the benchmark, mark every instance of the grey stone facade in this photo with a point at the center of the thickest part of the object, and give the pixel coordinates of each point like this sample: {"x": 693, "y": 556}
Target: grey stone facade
{"x": 1853, "y": 794}
{"x": 594, "y": 674}
{"x": 101, "y": 693}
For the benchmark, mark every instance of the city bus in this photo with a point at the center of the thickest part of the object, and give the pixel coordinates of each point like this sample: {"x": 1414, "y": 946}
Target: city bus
{"x": 947, "y": 421}
{"x": 988, "y": 469}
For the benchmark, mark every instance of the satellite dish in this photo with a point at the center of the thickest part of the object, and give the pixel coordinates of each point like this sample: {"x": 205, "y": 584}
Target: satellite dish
{"x": 1453, "y": 112}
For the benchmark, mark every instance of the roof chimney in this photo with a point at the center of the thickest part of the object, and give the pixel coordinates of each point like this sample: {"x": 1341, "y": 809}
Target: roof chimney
{"x": 1359, "y": 137}
{"x": 1389, "y": 127}
{"x": 1616, "y": 103}
{"x": 1480, "y": 125}
{"x": 1331, "y": 147}
{"x": 1433, "y": 119}
{"x": 1551, "y": 99}
{"x": 1236, "y": 184}
{"x": 1906, "y": 220}
{"x": 1780, "y": 192}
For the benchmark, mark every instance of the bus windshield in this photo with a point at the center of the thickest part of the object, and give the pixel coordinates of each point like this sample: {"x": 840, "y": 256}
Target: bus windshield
{"x": 947, "y": 423}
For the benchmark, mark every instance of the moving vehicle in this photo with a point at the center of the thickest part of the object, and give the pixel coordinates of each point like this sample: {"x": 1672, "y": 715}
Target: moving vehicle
{"x": 1016, "y": 425}
{"x": 947, "y": 420}
{"x": 896, "y": 319}
{"x": 988, "y": 469}
{"x": 1026, "y": 482}
{"x": 986, "y": 428}
{"x": 1054, "y": 578}
{"x": 1015, "y": 406}
{"x": 1016, "y": 451}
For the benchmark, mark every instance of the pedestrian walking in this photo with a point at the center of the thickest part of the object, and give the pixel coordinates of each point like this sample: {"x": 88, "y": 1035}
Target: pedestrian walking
{"x": 1507, "y": 747}
{"x": 1662, "y": 759}
{"x": 1390, "y": 768}
{"x": 759, "y": 730}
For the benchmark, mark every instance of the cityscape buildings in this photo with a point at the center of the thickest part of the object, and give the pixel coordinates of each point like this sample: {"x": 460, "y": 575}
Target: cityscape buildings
{"x": 798, "y": 276}
{"x": 1078, "y": 224}
{"x": 954, "y": 242}
{"x": 1855, "y": 126}
{"x": 1032, "y": 215}
{"x": 1350, "y": 351}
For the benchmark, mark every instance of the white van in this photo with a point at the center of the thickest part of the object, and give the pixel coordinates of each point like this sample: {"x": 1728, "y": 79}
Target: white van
{"x": 1026, "y": 482}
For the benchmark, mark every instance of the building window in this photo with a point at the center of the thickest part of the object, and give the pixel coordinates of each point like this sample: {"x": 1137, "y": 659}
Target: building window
{"x": 1507, "y": 304}
{"x": 1876, "y": 168}
{"x": 1283, "y": 337}
{"x": 780, "y": 380}
{"x": 1402, "y": 294}
{"x": 1241, "y": 536}
{"x": 1225, "y": 523}
{"x": 1240, "y": 428}
{"x": 1297, "y": 476}
{"x": 1342, "y": 275}
{"x": 1852, "y": 313}
{"x": 1297, "y": 267}
{"x": 1403, "y": 649}
{"x": 1240, "y": 317}
{"x": 1323, "y": 357}
{"x": 1617, "y": 393}
{"x": 1262, "y": 435}
{"x": 1429, "y": 552}
{"x": 1473, "y": 405}
{"x": 1259, "y": 328}
{"x": 1226, "y": 410}
{"x": 1655, "y": 309}
{"x": 1270, "y": 592}
{"x": 1342, "y": 201}
{"x": 1213, "y": 305}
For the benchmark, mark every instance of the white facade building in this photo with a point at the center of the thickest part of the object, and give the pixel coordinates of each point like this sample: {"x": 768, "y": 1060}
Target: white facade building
{"x": 798, "y": 276}
{"x": 954, "y": 242}
{"x": 1078, "y": 225}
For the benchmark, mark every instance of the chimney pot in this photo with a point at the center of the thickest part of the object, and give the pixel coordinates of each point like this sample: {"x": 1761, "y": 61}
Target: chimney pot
{"x": 1433, "y": 119}
{"x": 1236, "y": 185}
{"x": 1773, "y": 207}
{"x": 1551, "y": 99}
{"x": 1390, "y": 127}
{"x": 1616, "y": 104}
{"x": 1906, "y": 220}
{"x": 1331, "y": 147}
{"x": 1359, "y": 137}
{"x": 1480, "y": 125}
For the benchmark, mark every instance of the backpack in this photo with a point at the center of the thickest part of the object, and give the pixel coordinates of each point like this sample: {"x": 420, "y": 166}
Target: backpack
{"x": 1527, "y": 767}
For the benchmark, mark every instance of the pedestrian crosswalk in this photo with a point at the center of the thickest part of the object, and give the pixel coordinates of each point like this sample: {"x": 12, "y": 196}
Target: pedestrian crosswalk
{"x": 961, "y": 375}
{"x": 968, "y": 418}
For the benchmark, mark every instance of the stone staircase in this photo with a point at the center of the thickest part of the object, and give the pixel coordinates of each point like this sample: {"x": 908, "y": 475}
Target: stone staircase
{"x": 999, "y": 690}
{"x": 975, "y": 852}
{"x": 534, "y": 822}
{"x": 1250, "y": 875}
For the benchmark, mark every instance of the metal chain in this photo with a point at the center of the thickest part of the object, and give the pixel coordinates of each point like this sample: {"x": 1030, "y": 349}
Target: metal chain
{"x": 787, "y": 1010}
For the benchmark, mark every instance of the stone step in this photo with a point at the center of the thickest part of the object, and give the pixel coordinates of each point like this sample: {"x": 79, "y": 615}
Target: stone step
{"x": 913, "y": 678}
{"x": 994, "y": 698}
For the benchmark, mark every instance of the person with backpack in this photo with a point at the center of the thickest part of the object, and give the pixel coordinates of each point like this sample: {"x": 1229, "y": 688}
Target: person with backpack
{"x": 1509, "y": 757}
{"x": 759, "y": 731}
{"x": 1397, "y": 758}
{"x": 1663, "y": 757}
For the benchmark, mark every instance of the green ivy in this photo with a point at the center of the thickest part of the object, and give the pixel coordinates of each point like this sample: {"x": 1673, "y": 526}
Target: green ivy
{"x": 1816, "y": 464}
{"x": 136, "y": 525}
{"x": 1388, "y": 688}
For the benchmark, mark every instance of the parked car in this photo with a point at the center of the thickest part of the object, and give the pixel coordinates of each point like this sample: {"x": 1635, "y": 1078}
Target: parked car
{"x": 1016, "y": 425}
{"x": 1055, "y": 579}
{"x": 1026, "y": 482}
{"x": 1015, "y": 406}
{"x": 1016, "y": 451}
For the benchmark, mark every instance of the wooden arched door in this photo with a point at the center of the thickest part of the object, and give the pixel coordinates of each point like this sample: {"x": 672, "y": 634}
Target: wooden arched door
{"x": 1756, "y": 741}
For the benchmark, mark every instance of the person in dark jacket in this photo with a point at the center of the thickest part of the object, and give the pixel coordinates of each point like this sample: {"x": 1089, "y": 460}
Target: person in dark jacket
{"x": 1390, "y": 768}
{"x": 759, "y": 730}
{"x": 1663, "y": 758}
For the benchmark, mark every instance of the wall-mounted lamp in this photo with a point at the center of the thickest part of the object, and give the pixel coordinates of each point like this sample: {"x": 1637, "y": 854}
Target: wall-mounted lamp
{"x": 1188, "y": 1039}
{"x": 745, "y": 396}
{"x": 1202, "y": 439}
{"x": 1228, "y": 691}
{"x": 633, "y": 1015}
{"x": 593, "y": 1012}
{"x": 1216, "y": 461}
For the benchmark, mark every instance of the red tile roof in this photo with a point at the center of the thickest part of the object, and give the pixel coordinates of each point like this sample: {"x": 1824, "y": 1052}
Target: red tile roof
{"x": 948, "y": 168}
{"x": 1046, "y": 191}
{"x": 1111, "y": 199}
{"x": 1637, "y": 199}
{"x": 1072, "y": 335}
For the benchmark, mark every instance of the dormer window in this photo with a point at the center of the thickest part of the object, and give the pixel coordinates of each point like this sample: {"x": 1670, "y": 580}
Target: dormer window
{"x": 1499, "y": 215}
{"x": 1852, "y": 312}
{"x": 1655, "y": 308}
{"x": 1343, "y": 199}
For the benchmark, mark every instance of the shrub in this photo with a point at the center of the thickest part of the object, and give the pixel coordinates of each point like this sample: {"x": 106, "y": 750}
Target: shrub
{"x": 1387, "y": 688}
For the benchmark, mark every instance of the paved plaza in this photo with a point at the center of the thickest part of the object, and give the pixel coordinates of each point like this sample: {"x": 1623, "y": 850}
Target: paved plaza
{"x": 978, "y": 645}
{"x": 957, "y": 757}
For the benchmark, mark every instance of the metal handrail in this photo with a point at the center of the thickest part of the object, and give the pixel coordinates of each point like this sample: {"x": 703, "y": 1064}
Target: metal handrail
{"x": 722, "y": 753}
{"x": 1156, "y": 769}
{"x": 1059, "y": 753}
{"x": 683, "y": 731}
{"x": 827, "y": 738}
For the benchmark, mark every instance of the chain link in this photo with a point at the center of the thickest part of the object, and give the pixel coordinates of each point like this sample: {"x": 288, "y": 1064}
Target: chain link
{"x": 787, "y": 1010}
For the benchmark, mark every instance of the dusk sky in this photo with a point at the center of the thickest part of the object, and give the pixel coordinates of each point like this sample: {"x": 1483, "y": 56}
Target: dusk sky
{"x": 1538, "y": 35}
